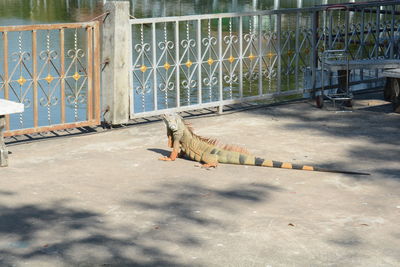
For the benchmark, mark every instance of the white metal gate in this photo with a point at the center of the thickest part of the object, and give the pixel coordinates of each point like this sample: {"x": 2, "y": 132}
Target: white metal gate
{"x": 192, "y": 62}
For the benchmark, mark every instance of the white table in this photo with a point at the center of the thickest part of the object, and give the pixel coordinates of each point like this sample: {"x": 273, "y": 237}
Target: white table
{"x": 6, "y": 107}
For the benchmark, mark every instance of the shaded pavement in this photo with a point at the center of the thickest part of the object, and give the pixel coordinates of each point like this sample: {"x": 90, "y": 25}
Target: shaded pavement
{"x": 105, "y": 199}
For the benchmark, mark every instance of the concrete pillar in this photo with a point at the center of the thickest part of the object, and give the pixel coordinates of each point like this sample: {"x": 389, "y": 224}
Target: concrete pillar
{"x": 117, "y": 52}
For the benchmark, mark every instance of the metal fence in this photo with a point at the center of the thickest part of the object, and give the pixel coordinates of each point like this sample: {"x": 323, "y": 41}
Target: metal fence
{"x": 54, "y": 71}
{"x": 190, "y": 62}
{"x": 183, "y": 63}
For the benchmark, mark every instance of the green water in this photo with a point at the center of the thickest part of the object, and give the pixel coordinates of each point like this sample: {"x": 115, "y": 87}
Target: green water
{"x": 14, "y": 12}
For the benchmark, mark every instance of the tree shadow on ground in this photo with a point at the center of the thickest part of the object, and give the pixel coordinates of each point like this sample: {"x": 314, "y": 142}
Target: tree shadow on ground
{"x": 381, "y": 129}
{"x": 170, "y": 216}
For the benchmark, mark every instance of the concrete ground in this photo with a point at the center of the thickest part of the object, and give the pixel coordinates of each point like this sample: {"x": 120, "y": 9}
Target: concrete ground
{"x": 105, "y": 199}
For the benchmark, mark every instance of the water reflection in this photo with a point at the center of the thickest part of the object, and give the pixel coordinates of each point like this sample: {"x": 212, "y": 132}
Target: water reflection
{"x": 14, "y": 12}
{"x": 47, "y": 11}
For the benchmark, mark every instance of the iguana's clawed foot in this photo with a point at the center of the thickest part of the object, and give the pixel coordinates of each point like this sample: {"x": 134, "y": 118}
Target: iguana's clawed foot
{"x": 209, "y": 165}
{"x": 165, "y": 158}
{"x": 206, "y": 166}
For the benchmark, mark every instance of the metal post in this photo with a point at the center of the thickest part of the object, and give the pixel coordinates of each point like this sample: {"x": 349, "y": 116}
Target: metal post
{"x": 260, "y": 56}
{"x": 89, "y": 109}
{"x": 117, "y": 51}
{"x": 314, "y": 54}
{"x": 154, "y": 63}
{"x": 298, "y": 26}
{"x": 220, "y": 69}
{"x": 362, "y": 44}
{"x": 200, "y": 63}
{"x": 177, "y": 63}
{"x": 377, "y": 31}
{"x": 377, "y": 37}
{"x": 392, "y": 43}
{"x": 62, "y": 76}
{"x": 279, "y": 50}
{"x": 35, "y": 80}
{"x": 241, "y": 57}
{"x": 297, "y": 50}
{"x": 330, "y": 30}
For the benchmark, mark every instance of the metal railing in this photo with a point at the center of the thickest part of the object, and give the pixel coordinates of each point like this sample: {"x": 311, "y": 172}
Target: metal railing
{"x": 190, "y": 62}
{"x": 54, "y": 71}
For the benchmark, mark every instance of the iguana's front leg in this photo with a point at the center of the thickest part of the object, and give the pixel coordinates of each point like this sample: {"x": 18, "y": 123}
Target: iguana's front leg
{"x": 170, "y": 142}
{"x": 170, "y": 138}
{"x": 175, "y": 152}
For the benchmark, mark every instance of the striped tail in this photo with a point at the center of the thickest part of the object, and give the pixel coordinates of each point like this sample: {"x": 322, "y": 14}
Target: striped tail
{"x": 287, "y": 165}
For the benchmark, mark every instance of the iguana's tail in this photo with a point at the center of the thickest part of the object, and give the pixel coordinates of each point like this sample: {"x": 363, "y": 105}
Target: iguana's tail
{"x": 287, "y": 165}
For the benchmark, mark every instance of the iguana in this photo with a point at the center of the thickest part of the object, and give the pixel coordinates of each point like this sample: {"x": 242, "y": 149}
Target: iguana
{"x": 184, "y": 141}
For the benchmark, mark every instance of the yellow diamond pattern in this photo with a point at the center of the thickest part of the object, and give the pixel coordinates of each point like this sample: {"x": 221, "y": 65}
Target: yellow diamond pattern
{"x": 270, "y": 55}
{"x": 166, "y": 66}
{"x": 143, "y": 68}
{"x": 307, "y": 51}
{"x": 49, "y": 78}
{"x": 21, "y": 80}
{"x": 189, "y": 63}
{"x": 290, "y": 52}
{"x": 251, "y": 56}
{"x": 231, "y": 59}
{"x": 210, "y": 61}
{"x": 76, "y": 76}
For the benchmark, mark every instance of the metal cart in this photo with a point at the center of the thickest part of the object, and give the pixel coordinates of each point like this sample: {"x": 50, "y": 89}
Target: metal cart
{"x": 335, "y": 60}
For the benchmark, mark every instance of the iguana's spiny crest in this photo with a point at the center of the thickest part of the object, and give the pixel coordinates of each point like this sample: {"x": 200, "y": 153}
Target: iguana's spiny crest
{"x": 174, "y": 123}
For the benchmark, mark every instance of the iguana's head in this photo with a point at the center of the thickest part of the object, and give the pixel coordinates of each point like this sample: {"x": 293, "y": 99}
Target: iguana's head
{"x": 173, "y": 121}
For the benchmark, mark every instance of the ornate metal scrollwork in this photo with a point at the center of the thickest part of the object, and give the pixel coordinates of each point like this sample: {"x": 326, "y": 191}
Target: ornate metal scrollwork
{"x": 188, "y": 43}
{"x": 161, "y": 45}
{"x": 209, "y": 41}
{"x": 251, "y": 75}
{"x": 76, "y": 99}
{"x": 20, "y": 56}
{"x": 231, "y": 78}
{"x": 75, "y": 53}
{"x": 50, "y": 101}
{"x": 27, "y": 102}
{"x": 210, "y": 81}
{"x": 46, "y": 55}
{"x": 249, "y": 37}
{"x": 168, "y": 86}
{"x": 189, "y": 84}
{"x": 142, "y": 47}
{"x": 229, "y": 40}
{"x": 143, "y": 89}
